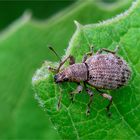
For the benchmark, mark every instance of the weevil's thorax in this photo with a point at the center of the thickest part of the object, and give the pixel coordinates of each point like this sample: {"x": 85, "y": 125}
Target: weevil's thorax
{"x": 73, "y": 73}
{"x": 107, "y": 71}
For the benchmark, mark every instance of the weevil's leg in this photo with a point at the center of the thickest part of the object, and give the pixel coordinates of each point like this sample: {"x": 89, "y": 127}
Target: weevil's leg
{"x": 106, "y": 50}
{"x": 91, "y": 94}
{"x": 71, "y": 61}
{"x": 109, "y": 97}
{"x": 88, "y": 54}
{"x": 110, "y": 102}
{"x": 76, "y": 91}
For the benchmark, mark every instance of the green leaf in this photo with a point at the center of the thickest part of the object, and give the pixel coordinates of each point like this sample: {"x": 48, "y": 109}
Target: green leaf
{"x": 71, "y": 121}
{"x": 23, "y": 47}
{"x": 40, "y": 9}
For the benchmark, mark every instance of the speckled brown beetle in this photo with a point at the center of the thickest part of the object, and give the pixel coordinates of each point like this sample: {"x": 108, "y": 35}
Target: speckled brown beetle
{"x": 102, "y": 71}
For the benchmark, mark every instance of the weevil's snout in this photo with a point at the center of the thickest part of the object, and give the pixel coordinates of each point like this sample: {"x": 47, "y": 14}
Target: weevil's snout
{"x": 60, "y": 77}
{"x": 57, "y": 79}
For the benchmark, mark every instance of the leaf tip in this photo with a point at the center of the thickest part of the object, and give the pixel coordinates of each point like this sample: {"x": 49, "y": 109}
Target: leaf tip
{"x": 27, "y": 14}
{"x": 78, "y": 25}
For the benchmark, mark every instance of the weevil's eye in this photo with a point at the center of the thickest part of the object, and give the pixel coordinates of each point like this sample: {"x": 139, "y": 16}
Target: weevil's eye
{"x": 66, "y": 79}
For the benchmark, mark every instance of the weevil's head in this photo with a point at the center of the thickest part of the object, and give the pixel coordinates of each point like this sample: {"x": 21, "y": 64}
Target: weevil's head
{"x": 61, "y": 77}
{"x": 73, "y": 73}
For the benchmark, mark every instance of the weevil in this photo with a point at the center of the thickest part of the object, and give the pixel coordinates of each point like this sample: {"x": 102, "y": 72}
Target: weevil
{"x": 103, "y": 71}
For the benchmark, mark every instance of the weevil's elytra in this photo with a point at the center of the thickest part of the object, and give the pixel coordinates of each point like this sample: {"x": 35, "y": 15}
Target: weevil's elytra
{"x": 101, "y": 71}
{"x": 106, "y": 71}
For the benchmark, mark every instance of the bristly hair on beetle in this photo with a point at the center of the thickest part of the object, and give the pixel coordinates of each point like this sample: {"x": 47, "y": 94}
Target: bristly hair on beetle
{"x": 101, "y": 70}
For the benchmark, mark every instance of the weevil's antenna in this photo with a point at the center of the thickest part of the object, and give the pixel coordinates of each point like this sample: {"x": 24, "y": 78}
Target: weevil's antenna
{"x": 52, "y": 49}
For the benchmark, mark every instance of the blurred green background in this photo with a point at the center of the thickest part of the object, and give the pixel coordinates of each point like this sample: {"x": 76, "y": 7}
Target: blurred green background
{"x": 23, "y": 48}
{"x": 11, "y": 10}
